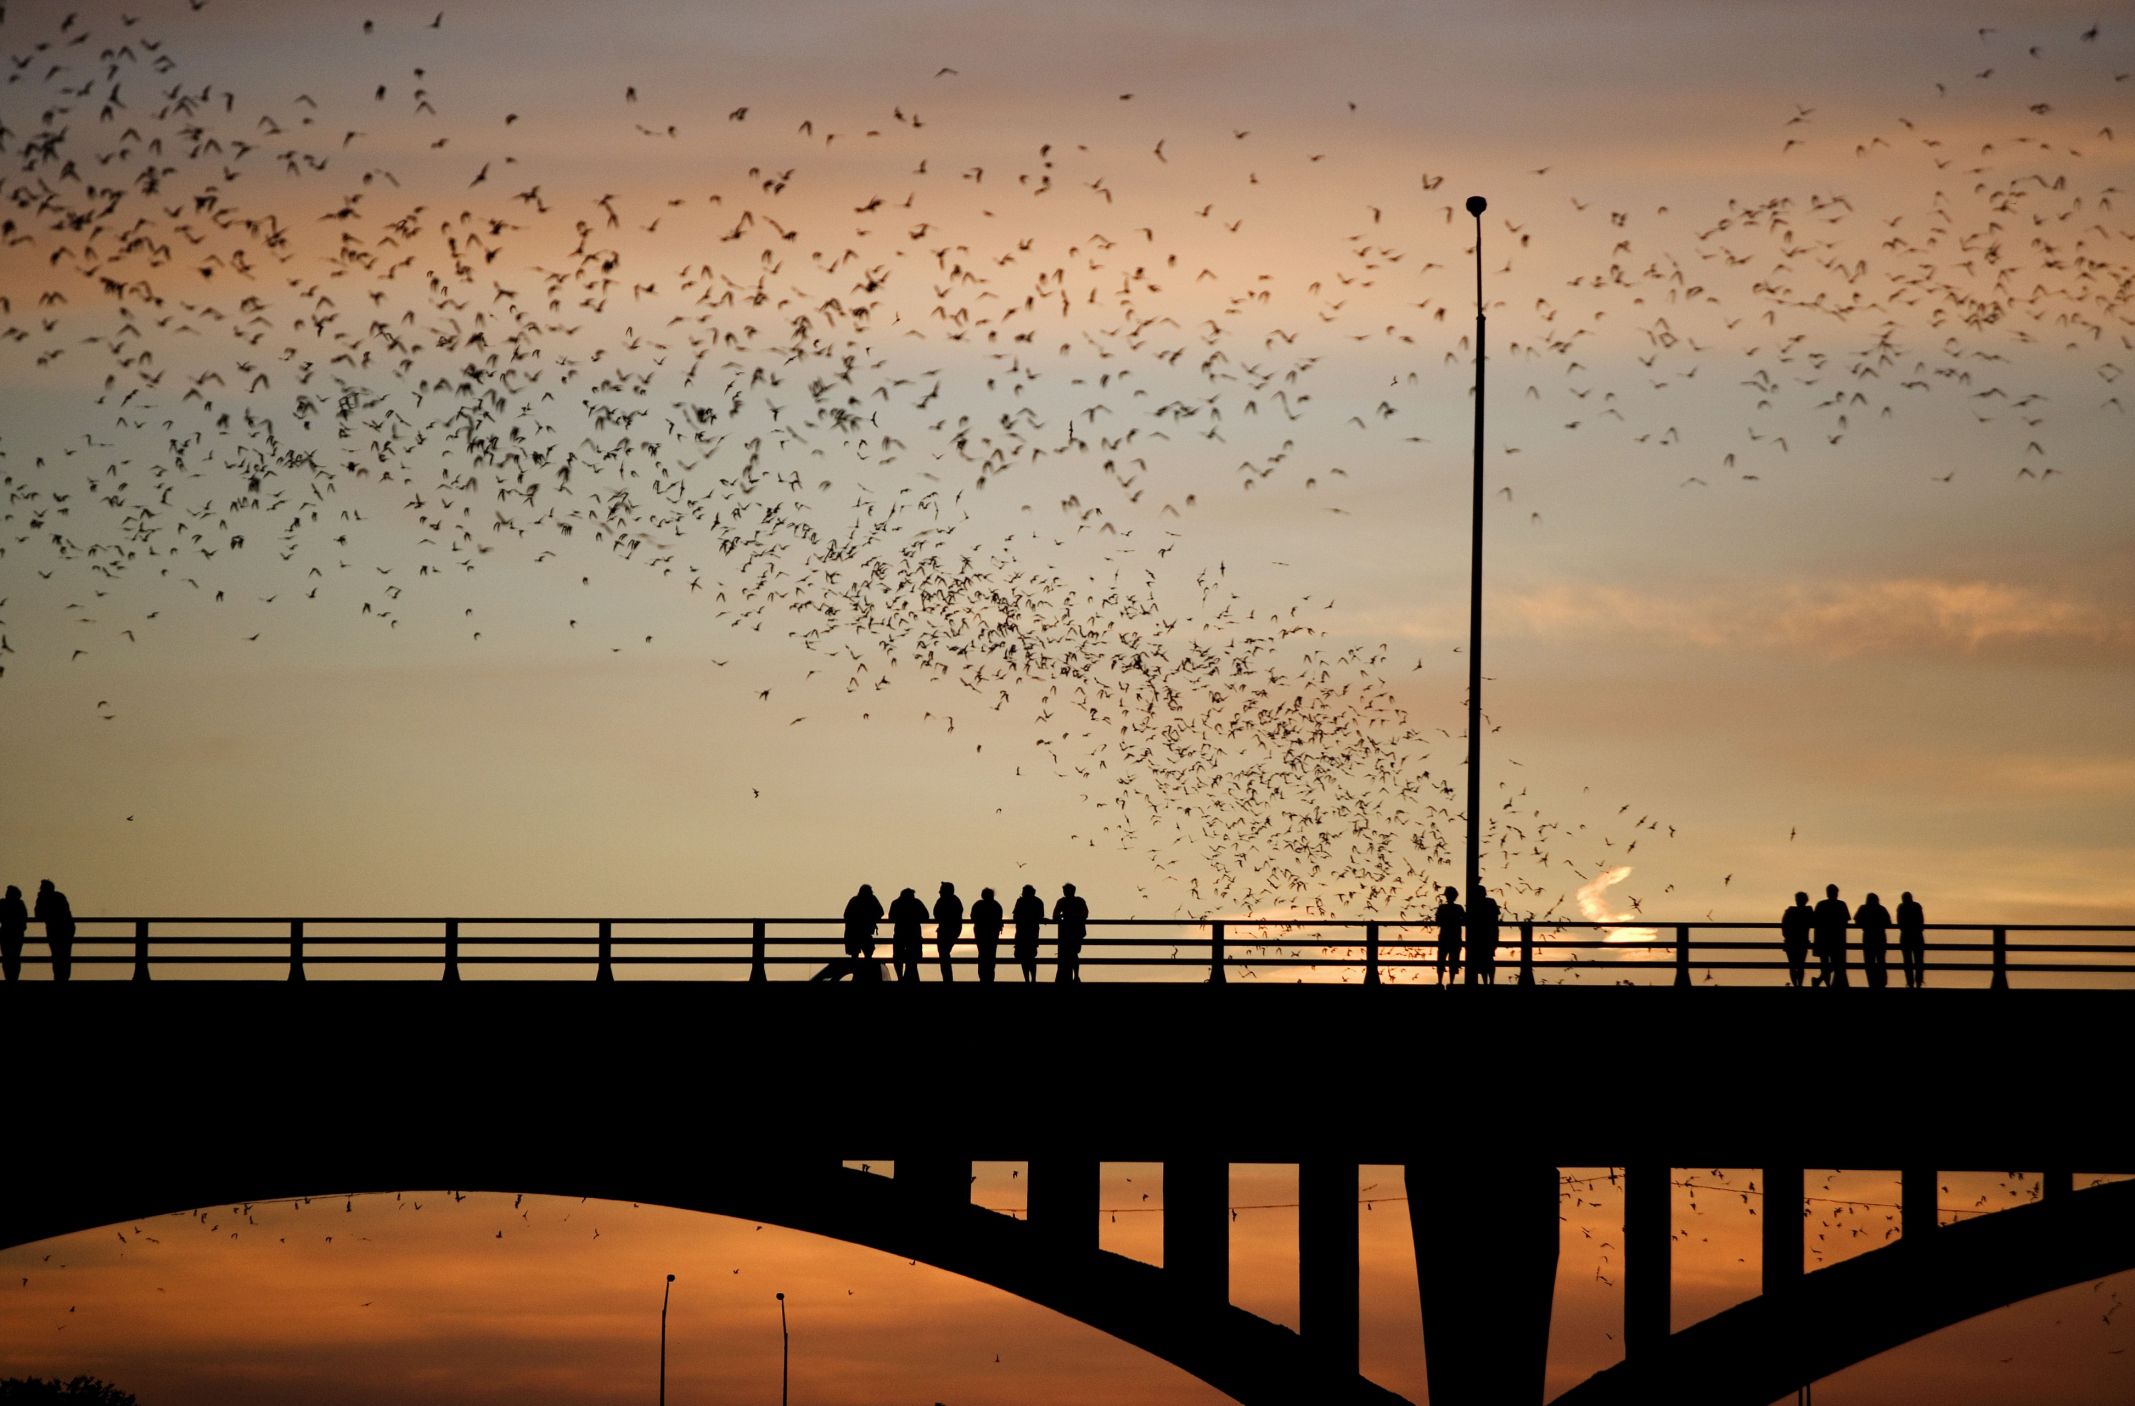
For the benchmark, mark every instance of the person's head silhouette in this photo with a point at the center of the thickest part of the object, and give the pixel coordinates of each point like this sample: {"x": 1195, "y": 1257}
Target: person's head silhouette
{"x": 1831, "y": 890}
{"x": 44, "y": 885}
{"x": 1872, "y": 898}
{"x": 906, "y": 893}
{"x": 1068, "y": 890}
{"x": 1801, "y": 898}
{"x": 947, "y": 887}
{"x": 1452, "y": 894}
{"x": 13, "y": 892}
{"x": 985, "y": 893}
{"x": 867, "y": 888}
{"x": 1030, "y": 890}
{"x": 1906, "y": 897}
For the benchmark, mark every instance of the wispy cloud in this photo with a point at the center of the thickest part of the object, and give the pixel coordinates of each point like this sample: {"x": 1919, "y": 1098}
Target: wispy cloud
{"x": 1594, "y": 906}
{"x": 1905, "y": 615}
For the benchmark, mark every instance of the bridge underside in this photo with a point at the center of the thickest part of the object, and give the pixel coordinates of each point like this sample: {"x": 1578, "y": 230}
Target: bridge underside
{"x": 238, "y": 1092}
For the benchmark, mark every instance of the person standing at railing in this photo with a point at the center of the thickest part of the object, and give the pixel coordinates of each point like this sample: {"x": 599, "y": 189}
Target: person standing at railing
{"x": 1912, "y": 940}
{"x": 1029, "y": 914}
{"x": 907, "y": 916}
{"x": 1483, "y": 915}
{"x": 862, "y": 911}
{"x": 1831, "y": 918}
{"x": 1071, "y": 916}
{"x": 986, "y": 932}
{"x": 1451, "y": 917}
{"x": 1794, "y": 926}
{"x": 1873, "y": 919}
{"x": 948, "y": 927}
{"x": 57, "y": 915}
{"x": 14, "y": 926}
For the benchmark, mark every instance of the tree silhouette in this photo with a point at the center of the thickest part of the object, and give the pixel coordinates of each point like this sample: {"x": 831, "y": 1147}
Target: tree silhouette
{"x": 82, "y": 1391}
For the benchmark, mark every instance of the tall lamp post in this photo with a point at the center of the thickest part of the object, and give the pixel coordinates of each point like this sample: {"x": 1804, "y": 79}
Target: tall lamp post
{"x": 1476, "y": 206}
{"x": 664, "y": 1292}
{"x": 785, "y": 1352}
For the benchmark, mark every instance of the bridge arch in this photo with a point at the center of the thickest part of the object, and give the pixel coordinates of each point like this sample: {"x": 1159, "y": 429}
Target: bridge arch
{"x": 1760, "y": 1350}
{"x": 1239, "y": 1353}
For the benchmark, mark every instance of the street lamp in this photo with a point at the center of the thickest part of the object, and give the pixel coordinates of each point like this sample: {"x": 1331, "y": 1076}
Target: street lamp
{"x": 785, "y": 1352}
{"x": 1476, "y": 206}
{"x": 663, "y": 1337}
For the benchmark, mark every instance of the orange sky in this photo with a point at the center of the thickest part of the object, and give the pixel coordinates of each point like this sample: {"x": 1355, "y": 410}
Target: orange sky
{"x": 424, "y": 1297}
{"x": 1807, "y": 548}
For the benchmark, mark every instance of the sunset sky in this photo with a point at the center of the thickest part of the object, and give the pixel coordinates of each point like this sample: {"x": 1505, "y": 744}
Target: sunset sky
{"x": 677, "y": 459}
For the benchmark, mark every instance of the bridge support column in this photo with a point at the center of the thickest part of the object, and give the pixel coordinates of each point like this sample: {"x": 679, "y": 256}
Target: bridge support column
{"x": 1648, "y": 1259}
{"x": 1327, "y": 1260}
{"x": 1197, "y": 1228}
{"x": 934, "y": 1187}
{"x": 1063, "y": 1200}
{"x": 1916, "y": 1203}
{"x": 1782, "y": 1228}
{"x": 1486, "y": 1266}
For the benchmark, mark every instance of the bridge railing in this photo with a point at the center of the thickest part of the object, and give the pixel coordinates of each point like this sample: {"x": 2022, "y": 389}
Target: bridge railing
{"x": 1387, "y": 951}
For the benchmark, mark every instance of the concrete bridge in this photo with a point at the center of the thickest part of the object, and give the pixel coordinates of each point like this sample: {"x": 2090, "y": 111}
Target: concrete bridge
{"x": 745, "y": 1098}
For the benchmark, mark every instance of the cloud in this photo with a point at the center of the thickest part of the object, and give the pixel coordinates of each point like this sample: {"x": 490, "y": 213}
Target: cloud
{"x": 1595, "y": 907}
{"x": 1903, "y": 615}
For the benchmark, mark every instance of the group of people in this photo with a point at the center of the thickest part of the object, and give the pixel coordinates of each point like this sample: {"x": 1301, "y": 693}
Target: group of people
{"x": 1471, "y": 931}
{"x": 908, "y": 916}
{"x": 58, "y": 919}
{"x": 1825, "y": 925}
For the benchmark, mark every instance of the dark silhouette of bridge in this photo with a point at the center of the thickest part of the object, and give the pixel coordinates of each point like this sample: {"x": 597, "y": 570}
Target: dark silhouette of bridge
{"x": 747, "y": 1098}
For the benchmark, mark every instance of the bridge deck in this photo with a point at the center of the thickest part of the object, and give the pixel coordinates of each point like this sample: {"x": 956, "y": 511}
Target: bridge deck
{"x": 1567, "y": 1076}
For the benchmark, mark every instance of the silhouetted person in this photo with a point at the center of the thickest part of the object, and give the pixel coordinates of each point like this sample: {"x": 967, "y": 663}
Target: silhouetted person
{"x": 14, "y": 924}
{"x": 1830, "y": 921}
{"x": 948, "y": 927}
{"x": 1912, "y": 940}
{"x": 862, "y": 911}
{"x": 1030, "y": 912}
{"x": 986, "y": 931}
{"x": 1873, "y": 919}
{"x": 58, "y": 919}
{"x": 1482, "y": 938}
{"x": 1794, "y": 926}
{"x": 1451, "y": 918}
{"x": 1071, "y": 916}
{"x": 907, "y": 916}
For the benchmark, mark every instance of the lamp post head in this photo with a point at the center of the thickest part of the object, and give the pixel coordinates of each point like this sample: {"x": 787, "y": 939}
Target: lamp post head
{"x": 781, "y": 1298}
{"x": 670, "y": 1279}
{"x": 1476, "y": 206}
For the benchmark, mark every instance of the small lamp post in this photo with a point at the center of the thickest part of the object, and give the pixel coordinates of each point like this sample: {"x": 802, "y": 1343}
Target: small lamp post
{"x": 664, "y": 1292}
{"x": 785, "y": 1352}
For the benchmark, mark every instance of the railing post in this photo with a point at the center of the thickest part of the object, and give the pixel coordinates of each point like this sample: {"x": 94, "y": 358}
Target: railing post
{"x": 1215, "y": 953}
{"x": 756, "y": 952}
{"x": 1527, "y": 951}
{"x": 1682, "y": 954}
{"x": 452, "y": 949}
{"x": 2001, "y": 959}
{"x": 140, "y": 949}
{"x": 296, "y": 949}
{"x": 607, "y": 953}
{"x": 1371, "y": 954}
